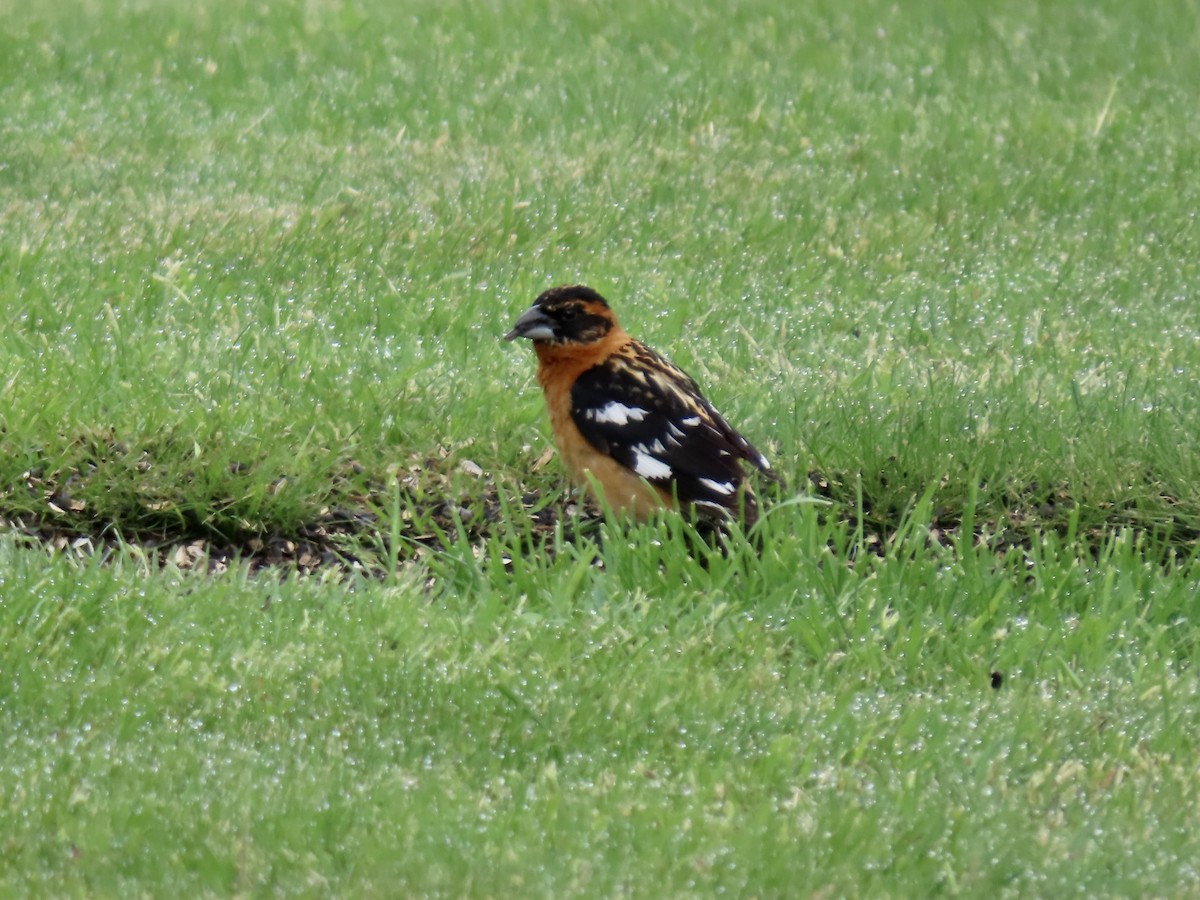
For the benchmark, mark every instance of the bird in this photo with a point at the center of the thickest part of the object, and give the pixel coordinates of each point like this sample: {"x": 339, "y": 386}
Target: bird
{"x": 631, "y": 427}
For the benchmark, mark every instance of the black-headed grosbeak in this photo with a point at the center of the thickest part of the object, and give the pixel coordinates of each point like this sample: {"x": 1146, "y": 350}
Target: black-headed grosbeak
{"x": 629, "y": 425}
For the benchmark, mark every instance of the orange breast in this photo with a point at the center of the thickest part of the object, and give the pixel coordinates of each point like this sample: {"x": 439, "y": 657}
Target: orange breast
{"x": 612, "y": 484}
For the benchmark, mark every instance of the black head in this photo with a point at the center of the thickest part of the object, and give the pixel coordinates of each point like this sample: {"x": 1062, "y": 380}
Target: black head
{"x": 570, "y": 314}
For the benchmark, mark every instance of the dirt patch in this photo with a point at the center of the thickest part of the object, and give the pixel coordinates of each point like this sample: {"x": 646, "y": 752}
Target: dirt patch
{"x": 433, "y": 500}
{"x": 442, "y": 498}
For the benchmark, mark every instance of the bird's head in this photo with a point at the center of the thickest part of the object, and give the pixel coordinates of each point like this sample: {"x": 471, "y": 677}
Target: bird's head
{"x": 571, "y": 314}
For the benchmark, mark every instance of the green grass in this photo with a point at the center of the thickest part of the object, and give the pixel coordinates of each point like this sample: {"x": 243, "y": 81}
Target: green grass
{"x": 652, "y": 727}
{"x": 255, "y": 260}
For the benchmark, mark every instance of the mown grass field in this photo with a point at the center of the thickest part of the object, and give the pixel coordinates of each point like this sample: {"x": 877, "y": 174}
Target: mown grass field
{"x": 940, "y": 263}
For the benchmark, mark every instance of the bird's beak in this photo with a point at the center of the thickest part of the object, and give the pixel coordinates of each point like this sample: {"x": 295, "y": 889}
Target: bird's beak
{"x": 533, "y": 324}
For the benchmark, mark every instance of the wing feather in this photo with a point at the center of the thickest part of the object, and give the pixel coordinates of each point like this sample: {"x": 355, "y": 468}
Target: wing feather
{"x": 650, "y": 416}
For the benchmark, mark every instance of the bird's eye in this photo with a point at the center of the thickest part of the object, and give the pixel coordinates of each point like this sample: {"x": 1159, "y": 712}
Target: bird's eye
{"x": 569, "y": 313}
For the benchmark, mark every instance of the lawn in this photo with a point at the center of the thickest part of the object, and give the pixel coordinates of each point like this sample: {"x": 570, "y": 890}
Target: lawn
{"x": 292, "y": 600}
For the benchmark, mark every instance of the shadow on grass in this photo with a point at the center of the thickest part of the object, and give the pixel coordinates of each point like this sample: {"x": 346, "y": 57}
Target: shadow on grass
{"x": 366, "y": 522}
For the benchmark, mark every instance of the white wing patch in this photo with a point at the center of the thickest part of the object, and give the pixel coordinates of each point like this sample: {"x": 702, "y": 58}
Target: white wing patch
{"x": 719, "y": 487}
{"x": 690, "y": 421}
{"x": 614, "y": 413}
{"x": 650, "y": 468}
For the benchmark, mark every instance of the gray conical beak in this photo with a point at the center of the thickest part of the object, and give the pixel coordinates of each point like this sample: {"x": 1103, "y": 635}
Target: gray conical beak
{"x": 532, "y": 324}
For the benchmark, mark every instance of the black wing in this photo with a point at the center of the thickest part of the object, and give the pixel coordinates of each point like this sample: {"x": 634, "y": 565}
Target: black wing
{"x": 650, "y": 416}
